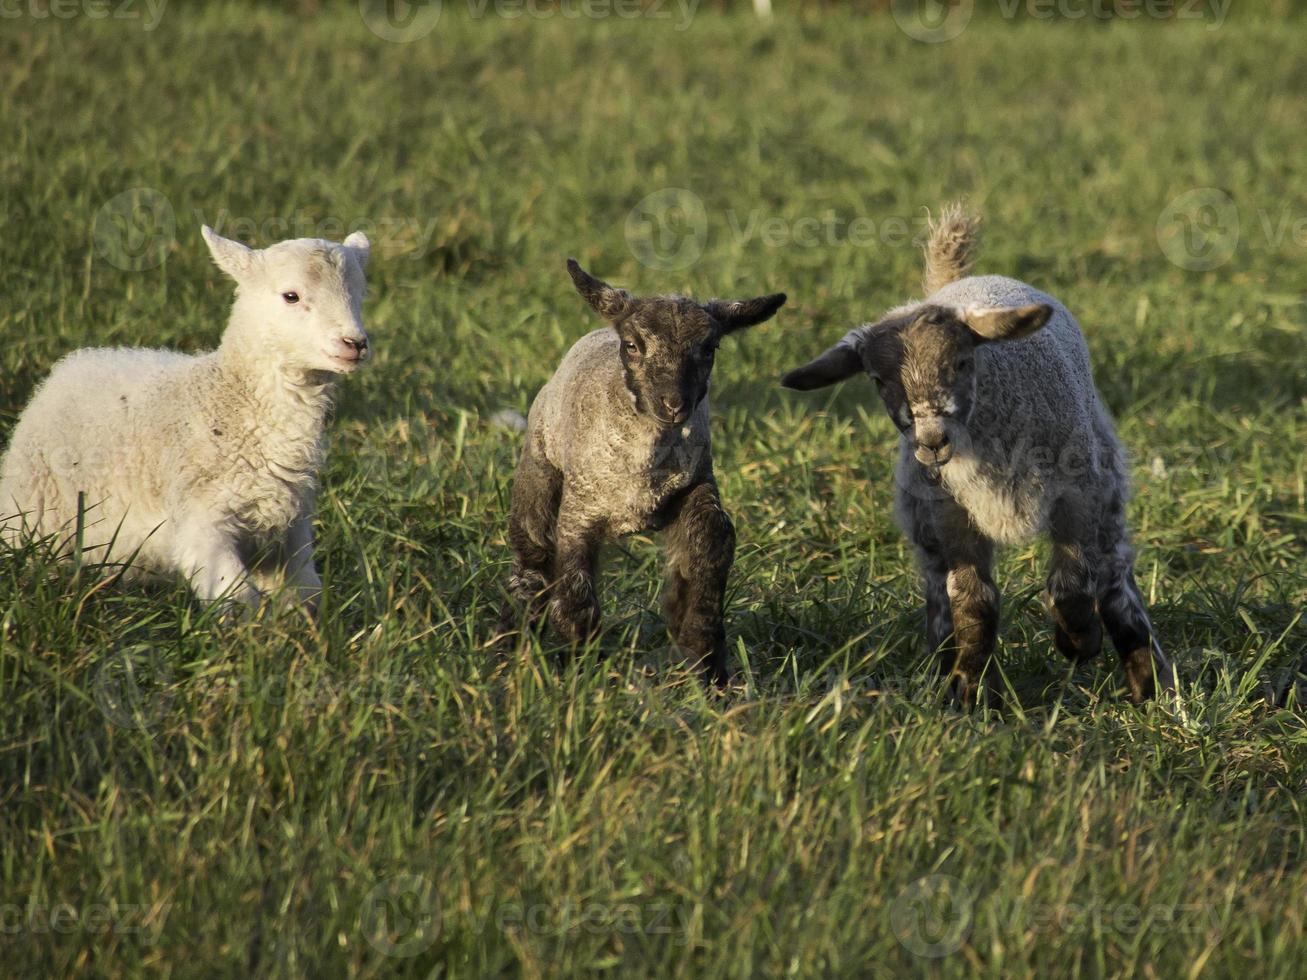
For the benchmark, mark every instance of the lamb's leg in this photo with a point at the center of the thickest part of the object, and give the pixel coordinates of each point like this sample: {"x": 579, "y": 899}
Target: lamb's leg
{"x": 1122, "y": 608}
{"x": 939, "y": 612}
{"x": 574, "y": 604}
{"x": 973, "y": 598}
{"x": 700, "y": 551}
{"x": 210, "y": 561}
{"x": 1078, "y": 633}
{"x": 301, "y": 573}
{"x": 533, "y": 514}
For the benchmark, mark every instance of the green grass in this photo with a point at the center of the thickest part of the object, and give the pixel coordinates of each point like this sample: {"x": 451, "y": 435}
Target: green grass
{"x": 182, "y": 800}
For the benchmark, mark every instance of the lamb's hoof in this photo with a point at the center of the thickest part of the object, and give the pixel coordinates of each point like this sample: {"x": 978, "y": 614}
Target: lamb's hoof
{"x": 1147, "y": 675}
{"x": 967, "y": 694}
{"x": 1079, "y": 646}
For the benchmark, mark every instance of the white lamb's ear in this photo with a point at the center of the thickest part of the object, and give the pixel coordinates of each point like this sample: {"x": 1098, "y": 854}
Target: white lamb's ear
{"x": 361, "y": 246}
{"x": 1010, "y": 323}
{"x": 231, "y": 257}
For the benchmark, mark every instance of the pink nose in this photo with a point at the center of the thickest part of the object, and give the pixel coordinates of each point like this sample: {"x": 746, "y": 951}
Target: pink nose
{"x": 358, "y": 349}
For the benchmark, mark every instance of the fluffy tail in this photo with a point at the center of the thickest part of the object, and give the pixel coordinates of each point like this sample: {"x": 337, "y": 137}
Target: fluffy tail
{"x": 951, "y": 248}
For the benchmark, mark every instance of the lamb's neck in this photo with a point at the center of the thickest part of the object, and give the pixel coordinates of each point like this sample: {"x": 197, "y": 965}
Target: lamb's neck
{"x": 284, "y": 411}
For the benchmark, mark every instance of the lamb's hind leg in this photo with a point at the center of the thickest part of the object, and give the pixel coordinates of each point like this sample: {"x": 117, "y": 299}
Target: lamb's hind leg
{"x": 1071, "y": 591}
{"x": 537, "y": 490}
{"x": 1122, "y": 608}
{"x": 700, "y": 551}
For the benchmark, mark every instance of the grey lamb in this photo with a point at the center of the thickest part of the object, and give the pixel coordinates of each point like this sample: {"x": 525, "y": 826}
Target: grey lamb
{"x": 617, "y": 443}
{"x": 1003, "y": 436}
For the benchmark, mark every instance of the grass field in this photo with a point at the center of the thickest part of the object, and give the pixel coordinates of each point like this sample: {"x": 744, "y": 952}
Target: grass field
{"x": 378, "y": 794}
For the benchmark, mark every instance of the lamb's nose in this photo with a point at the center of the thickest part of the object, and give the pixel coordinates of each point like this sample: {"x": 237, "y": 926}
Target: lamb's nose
{"x": 935, "y": 441}
{"x": 673, "y": 406}
{"x": 359, "y": 346}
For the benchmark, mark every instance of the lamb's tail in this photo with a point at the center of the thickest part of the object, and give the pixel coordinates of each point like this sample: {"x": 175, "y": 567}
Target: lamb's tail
{"x": 951, "y": 248}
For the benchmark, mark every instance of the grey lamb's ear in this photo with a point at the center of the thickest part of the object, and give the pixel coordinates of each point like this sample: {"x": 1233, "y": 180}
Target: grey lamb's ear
{"x": 736, "y": 314}
{"x": 611, "y": 304}
{"x": 844, "y": 360}
{"x": 231, "y": 257}
{"x": 1010, "y": 323}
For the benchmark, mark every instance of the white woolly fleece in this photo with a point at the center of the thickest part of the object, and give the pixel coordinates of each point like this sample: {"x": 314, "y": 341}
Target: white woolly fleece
{"x": 205, "y": 465}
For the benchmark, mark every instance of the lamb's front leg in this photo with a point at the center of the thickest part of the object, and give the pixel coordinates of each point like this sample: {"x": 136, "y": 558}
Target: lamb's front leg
{"x": 301, "y": 572}
{"x": 208, "y": 558}
{"x": 574, "y": 603}
{"x": 700, "y": 551}
{"x": 533, "y": 514}
{"x": 973, "y": 599}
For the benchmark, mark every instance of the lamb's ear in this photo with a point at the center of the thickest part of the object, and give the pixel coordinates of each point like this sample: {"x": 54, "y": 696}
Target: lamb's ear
{"x": 231, "y": 257}
{"x": 736, "y": 314}
{"x": 1011, "y": 323}
{"x": 611, "y": 304}
{"x": 844, "y": 360}
{"x": 358, "y": 242}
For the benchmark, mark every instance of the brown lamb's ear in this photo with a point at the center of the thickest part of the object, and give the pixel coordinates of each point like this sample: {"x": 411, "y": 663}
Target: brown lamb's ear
{"x": 844, "y": 360}
{"x": 736, "y": 314}
{"x": 1010, "y": 323}
{"x": 611, "y": 304}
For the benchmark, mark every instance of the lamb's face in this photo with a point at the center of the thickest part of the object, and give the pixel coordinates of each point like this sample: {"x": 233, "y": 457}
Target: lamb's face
{"x": 923, "y": 364}
{"x": 302, "y": 300}
{"x": 926, "y": 377}
{"x": 667, "y": 350}
{"x": 668, "y": 343}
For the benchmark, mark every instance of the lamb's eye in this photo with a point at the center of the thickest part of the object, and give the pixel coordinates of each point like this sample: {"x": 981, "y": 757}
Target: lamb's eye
{"x": 630, "y": 346}
{"x": 291, "y": 297}
{"x": 964, "y": 364}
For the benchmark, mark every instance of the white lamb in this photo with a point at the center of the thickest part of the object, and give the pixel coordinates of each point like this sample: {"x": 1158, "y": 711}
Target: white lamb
{"x": 203, "y": 465}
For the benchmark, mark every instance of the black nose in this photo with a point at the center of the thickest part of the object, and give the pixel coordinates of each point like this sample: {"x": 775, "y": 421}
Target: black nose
{"x": 673, "y": 406}
{"x": 936, "y": 442}
{"x": 358, "y": 345}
